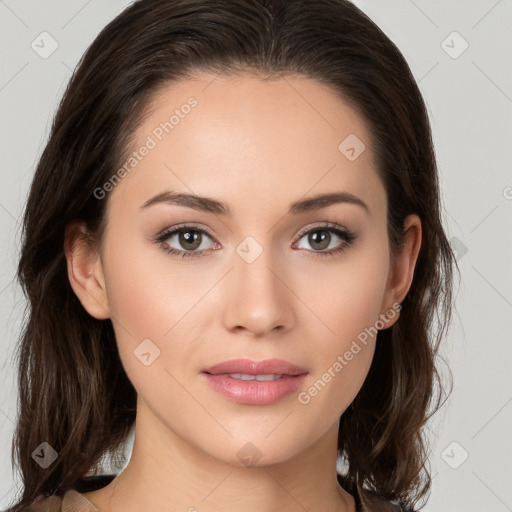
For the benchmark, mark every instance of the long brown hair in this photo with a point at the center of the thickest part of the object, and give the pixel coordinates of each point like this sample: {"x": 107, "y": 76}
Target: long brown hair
{"x": 73, "y": 391}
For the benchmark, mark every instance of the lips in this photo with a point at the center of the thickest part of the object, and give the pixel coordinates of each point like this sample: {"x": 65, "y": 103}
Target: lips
{"x": 250, "y": 367}
{"x": 249, "y": 382}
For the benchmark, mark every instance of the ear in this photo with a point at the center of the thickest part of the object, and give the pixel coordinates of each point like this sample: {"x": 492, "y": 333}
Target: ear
{"x": 85, "y": 271}
{"x": 402, "y": 269}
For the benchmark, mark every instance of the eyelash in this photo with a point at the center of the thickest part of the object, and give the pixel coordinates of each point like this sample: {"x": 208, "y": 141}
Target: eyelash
{"x": 347, "y": 235}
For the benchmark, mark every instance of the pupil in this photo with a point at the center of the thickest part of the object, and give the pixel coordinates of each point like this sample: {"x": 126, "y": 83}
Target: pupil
{"x": 190, "y": 237}
{"x": 314, "y": 239}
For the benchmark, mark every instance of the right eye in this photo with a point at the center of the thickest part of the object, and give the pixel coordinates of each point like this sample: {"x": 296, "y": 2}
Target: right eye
{"x": 190, "y": 239}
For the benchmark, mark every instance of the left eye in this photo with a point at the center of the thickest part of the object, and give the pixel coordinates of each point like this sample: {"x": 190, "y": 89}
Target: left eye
{"x": 320, "y": 238}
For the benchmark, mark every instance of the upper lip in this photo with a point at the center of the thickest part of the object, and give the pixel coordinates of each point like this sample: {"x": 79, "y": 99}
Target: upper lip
{"x": 250, "y": 367}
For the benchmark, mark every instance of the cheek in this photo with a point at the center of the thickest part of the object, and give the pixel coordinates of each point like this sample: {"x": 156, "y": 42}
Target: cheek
{"x": 346, "y": 298}
{"x": 348, "y": 305}
{"x": 149, "y": 291}
{"x": 150, "y": 298}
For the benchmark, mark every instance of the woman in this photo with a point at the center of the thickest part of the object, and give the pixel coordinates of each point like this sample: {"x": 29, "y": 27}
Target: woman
{"x": 233, "y": 243}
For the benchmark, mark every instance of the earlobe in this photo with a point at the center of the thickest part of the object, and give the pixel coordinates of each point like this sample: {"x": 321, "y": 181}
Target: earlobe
{"x": 402, "y": 268}
{"x": 85, "y": 271}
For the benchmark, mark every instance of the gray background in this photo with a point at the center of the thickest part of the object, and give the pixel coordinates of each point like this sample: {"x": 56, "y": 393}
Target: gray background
{"x": 469, "y": 96}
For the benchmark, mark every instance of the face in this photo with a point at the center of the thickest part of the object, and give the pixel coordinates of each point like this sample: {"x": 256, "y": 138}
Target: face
{"x": 250, "y": 275}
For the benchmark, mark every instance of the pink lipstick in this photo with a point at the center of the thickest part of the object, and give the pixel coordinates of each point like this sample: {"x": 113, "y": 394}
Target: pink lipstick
{"x": 255, "y": 382}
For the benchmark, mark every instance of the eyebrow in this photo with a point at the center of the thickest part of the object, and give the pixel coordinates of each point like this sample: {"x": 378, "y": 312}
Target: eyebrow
{"x": 206, "y": 204}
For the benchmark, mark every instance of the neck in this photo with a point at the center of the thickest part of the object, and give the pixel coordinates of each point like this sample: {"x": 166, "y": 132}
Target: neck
{"x": 166, "y": 473}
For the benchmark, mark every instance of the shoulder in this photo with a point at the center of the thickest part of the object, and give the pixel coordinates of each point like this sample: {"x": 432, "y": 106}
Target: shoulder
{"x": 73, "y": 500}
{"x": 370, "y": 501}
{"x": 50, "y": 504}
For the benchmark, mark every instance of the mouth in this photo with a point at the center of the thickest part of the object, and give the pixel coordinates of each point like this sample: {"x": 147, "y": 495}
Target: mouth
{"x": 247, "y": 376}
{"x": 255, "y": 382}
{"x": 275, "y": 368}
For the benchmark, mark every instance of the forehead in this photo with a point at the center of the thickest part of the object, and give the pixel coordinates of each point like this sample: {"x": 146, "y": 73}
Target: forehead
{"x": 293, "y": 108}
{"x": 277, "y": 139}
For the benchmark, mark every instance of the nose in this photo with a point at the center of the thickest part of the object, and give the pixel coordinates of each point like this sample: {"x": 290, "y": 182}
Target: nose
{"x": 257, "y": 296}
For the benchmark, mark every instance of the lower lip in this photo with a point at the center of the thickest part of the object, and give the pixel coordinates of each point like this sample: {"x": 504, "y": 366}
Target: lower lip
{"x": 255, "y": 392}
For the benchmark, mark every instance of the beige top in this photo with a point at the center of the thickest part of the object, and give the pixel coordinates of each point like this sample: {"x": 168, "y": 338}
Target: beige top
{"x": 73, "y": 501}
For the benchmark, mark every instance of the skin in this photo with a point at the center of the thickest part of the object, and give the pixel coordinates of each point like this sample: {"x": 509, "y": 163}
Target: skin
{"x": 257, "y": 146}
